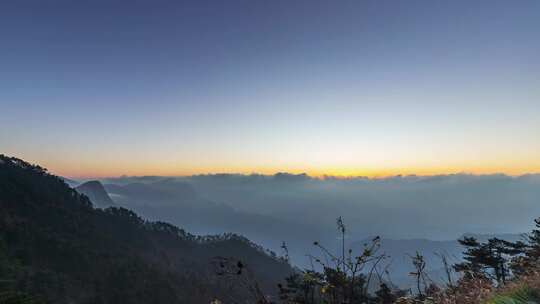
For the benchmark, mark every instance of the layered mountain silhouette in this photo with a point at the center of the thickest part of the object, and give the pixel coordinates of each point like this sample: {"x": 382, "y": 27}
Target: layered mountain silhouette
{"x": 410, "y": 213}
{"x": 177, "y": 202}
{"x": 56, "y": 246}
{"x": 299, "y": 210}
{"x": 42, "y": 203}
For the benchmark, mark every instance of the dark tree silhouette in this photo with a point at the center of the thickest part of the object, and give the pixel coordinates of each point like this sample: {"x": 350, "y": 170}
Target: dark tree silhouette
{"x": 490, "y": 259}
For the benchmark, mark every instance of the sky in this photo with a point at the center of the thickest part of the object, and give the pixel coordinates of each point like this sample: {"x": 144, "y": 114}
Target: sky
{"x": 375, "y": 88}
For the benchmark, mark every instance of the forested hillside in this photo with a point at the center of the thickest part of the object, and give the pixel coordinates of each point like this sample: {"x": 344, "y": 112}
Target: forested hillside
{"x": 58, "y": 248}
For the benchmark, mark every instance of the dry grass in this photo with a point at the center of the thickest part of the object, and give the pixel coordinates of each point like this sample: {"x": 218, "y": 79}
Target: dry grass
{"x": 525, "y": 289}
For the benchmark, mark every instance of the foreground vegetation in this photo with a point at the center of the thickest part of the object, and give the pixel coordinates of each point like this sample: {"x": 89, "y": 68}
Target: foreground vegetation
{"x": 493, "y": 272}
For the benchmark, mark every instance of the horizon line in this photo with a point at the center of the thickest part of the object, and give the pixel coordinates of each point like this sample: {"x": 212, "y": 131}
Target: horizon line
{"x": 307, "y": 175}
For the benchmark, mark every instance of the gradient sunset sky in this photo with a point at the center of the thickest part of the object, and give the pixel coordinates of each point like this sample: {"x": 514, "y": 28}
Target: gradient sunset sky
{"x": 376, "y": 88}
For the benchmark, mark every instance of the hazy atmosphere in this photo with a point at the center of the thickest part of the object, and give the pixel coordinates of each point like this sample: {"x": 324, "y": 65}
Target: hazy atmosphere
{"x": 269, "y": 152}
{"x": 374, "y": 88}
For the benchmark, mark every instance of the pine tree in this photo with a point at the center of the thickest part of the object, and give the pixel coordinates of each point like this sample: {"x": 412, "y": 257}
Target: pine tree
{"x": 490, "y": 259}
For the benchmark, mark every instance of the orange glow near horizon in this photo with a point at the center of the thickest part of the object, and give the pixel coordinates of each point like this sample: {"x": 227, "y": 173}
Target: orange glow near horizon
{"x": 316, "y": 164}
{"x": 96, "y": 172}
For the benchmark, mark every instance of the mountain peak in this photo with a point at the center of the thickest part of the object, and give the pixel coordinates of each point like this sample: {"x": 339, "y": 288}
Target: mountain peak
{"x": 96, "y": 193}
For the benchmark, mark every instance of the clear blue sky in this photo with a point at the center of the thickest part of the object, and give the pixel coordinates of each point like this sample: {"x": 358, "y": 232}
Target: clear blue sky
{"x": 100, "y": 88}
